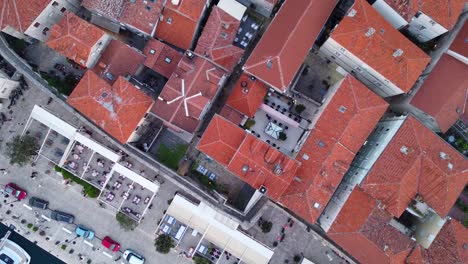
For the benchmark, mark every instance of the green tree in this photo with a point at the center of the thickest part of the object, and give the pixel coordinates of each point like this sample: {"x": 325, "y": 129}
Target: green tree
{"x": 21, "y": 149}
{"x": 164, "y": 243}
{"x": 200, "y": 260}
{"x": 266, "y": 226}
{"x": 300, "y": 108}
{"x": 125, "y": 222}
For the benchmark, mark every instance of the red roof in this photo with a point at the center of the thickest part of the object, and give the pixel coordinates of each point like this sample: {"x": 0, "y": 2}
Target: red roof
{"x": 449, "y": 246}
{"x": 247, "y": 95}
{"x": 117, "y": 109}
{"x": 74, "y": 38}
{"x": 285, "y": 44}
{"x": 142, "y": 15}
{"x": 119, "y": 59}
{"x": 362, "y": 229}
{"x": 20, "y": 14}
{"x": 444, "y": 94}
{"x": 216, "y": 40}
{"x": 231, "y": 114}
{"x": 342, "y": 128}
{"x": 417, "y": 161}
{"x": 251, "y": 159}
{"x": 460, "y": 43}
{"x": 188, "y": 92}
{"x": 221, "y": 140}
{"x": 444, "y": 12}
{"x": 379, "y": 48}
{"x": 179, "y": 22}
{"x": 161, "y": 58}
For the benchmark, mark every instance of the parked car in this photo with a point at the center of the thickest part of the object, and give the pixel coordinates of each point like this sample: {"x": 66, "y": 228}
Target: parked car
{"x": 132, "y": 257}
{"x": 39, "y": 203}
{"x": 84, "y": 232}
{"x": 62, "y": 216}
{"x": 109, "y": 243}
{"x": 15, "y": 191}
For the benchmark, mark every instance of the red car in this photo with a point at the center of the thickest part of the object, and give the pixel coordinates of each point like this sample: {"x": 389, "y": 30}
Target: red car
{"x": 13, "y": 190}
{"x": 110, "y": 244}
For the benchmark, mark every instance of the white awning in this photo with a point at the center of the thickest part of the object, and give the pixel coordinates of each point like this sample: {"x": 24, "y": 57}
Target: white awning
{"x": 220, "y": 230}
{"x": 88, "y": 142}
{"x": 233, "y": 8}
{"x": 154, "y": 187}
{"x": 63, "y": 128}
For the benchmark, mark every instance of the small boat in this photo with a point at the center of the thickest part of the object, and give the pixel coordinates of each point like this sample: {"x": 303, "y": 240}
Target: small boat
{"x": 12, "y": 253}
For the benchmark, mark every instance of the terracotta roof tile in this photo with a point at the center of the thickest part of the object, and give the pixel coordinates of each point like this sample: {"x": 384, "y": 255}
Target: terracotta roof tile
{"x": 363, "y": 230}
{"x": 119, "y": 59}
{"x": 231, "y": 114}
{"x": 460, "y": 43}
{"x": 142, "y": 15}
{"x": 251, "y": 159}
{"x": 444, "y": 12}
{"x": 378, "y": 50}
{"x": 193, "y": 78}
{"x": 396, "y": 177}
{"x": 216, "y": 41}
{"x": 20, "y": 14}
{"x": 262, "y": 162}
{"x": 74, "y": 38}
{"x": 285, "y": 44}
{"x": 449, "y": 246}
{"x": 158, "y": 56}
{"x": 117, "y": 109}
{"x": 247, "y": 95}
{"x": 178, "y": 23}
{"x": 444, "y": 92}
{"x": 221, "y": 140}
{"x": 331, "y": 147}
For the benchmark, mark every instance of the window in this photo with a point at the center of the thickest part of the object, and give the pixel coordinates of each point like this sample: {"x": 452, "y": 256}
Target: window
{"x": 342, "y": 109}
{"x": 169, "y": 20}
{"x": 54, "y": 3}
{"x": 63, "y": 10}
{"x": 152, "y": 51}
{"x": 44, "y": 32}
{"x": 37, "y": 24}
{"x": 224, "y": 35}
{"x": 168, "y": 60}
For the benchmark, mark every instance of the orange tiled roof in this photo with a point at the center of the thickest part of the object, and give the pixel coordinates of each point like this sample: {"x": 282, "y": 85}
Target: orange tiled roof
{"x": 331, "y": 147}
{"x": 449, "y": 246}
{"x": 378, "y": 49}
{"x": 178, "y": 23}
{"x": 157, "y": 55}
{"x": 118, "y": 59}
{"x": 284, "y": 46}
{"x": 430, "y": 168}
{"x": 20, "y": 14}
{"x": 362, "y": 229}
{"x": 251, "y": 159}
{"x": 142, "y": 15}
{"x": 221, "y": 140}
{"x": 231, "y": 114}
{"x": 216, "y": 40}
{"x": 444, "y": 12}
{"x": 188, "y": 92}
{"x": 448, "y": 104}
{"x": 460, "y": 43}
{"x": 247, "y": 99}
{"x": 117, "y": 109}
{"x": 74, "y": 38}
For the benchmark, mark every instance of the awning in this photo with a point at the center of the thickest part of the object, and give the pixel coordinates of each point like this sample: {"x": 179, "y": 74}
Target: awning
{"x": 220, "y": 230}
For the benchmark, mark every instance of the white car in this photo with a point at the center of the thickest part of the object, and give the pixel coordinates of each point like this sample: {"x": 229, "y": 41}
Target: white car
{"x": 132, "y": 257}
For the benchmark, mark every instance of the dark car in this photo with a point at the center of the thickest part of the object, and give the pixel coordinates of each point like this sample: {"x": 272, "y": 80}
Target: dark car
{"x": 39, "y": 203}
{"x": 62, "y": 216}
